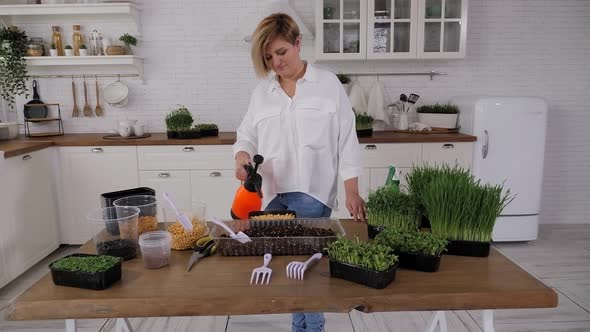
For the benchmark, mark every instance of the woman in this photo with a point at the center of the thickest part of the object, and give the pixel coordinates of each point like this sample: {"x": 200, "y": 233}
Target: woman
{"x": 300, "y": 120}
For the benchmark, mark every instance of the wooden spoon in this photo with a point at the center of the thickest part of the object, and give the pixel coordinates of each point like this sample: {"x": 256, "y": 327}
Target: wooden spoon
{"x": 98, "y": 110}
{"x": 75, "y": 110}
{"x": 87, "y": 109}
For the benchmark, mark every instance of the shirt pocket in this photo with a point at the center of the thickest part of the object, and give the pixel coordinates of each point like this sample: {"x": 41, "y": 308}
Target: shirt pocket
{"x": 316, "y": 122}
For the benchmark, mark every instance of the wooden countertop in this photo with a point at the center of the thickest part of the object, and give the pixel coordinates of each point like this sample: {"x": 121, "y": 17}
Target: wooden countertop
{"x": 219, "y": 285}
{"x": 24, "y": 144}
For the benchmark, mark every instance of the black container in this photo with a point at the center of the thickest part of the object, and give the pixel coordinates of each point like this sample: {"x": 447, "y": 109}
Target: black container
{"x": 359, "y": 275}
{"x": 107, "y": 199}
{"x": 87, "y": 280}
{"x": 209, "y": 132}
{"x": 171, "y": 134}
{"x": 468, "y": 248}
{"x": 279, "y": 212}
{"x": 374, "y": 230}
{"x": 364, "y": 132}
{"x": 263, "y": 223}
{"x": 418, "y": 262}
{"x": 424, "y": 222}
{"x": 188, "y": 134}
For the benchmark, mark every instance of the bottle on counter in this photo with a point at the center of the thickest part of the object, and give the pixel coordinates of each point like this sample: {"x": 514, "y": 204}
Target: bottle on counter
{"x": 77, "y": 39}
{"x": 57, "y": 40}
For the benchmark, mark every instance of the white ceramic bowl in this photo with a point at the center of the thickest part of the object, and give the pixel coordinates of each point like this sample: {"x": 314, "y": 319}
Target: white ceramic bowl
{"x": 116, "y": 93}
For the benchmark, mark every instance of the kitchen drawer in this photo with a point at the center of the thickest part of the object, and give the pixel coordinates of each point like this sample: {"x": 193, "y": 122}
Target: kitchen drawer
{"x": 176, "y": 183}
{"x": 451, "y": 153}
{"x": 382, "y": 155}
{"x": 179, "y": 157}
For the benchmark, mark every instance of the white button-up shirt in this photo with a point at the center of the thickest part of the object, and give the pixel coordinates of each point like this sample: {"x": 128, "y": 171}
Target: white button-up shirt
{"x": 306, "y": 141}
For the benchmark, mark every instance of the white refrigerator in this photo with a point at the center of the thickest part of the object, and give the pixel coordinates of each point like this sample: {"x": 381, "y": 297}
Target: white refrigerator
{"x": 510, "y": 149}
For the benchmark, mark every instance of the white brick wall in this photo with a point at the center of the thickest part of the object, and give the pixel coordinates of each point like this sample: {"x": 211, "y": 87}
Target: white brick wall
{"x": 194, "y": 55}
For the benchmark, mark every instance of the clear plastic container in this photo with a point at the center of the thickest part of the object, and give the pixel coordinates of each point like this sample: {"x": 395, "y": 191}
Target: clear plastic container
{"x": 290, "y": 245}
{"x": 181, "y": 238}
{"x": 155, "y": 249}
{"x": 148, "y": 211}
{"x": 114, "y": 231}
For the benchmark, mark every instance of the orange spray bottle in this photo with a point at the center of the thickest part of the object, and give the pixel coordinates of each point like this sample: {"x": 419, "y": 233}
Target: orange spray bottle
{"x": 249, "y": 195}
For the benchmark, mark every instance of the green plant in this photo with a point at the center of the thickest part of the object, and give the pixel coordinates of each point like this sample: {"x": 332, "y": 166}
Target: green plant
{"x": 343, "y": 78}
{"x": 13, "y": 66}
{"x": 390, "y": 208}
{"x": 179, "y": 119}
{"x": 90, "y": 264}
{"x": 68, "y": 47}
{"x": 206, "y": 126}
{"x": 459, "y": 207}
{"x": 438, "y": 109}
{"x": 370, "y": 256}
{"x": 363, "y": 120}
{"x": 128, "y": 39}
{"x": 413, "y": 242}
{"x": 53, "y": 47}
{"x": 418, "y": 179}
{"x": 83, "y": 47}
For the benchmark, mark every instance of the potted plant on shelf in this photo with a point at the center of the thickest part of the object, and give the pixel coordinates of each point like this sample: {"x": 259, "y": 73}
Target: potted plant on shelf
{"x": 13, "y": 66}
{"x": 388, "y": 208}
{"x": 69, "y": 50}
{"x": 463, "y": 210}
{"x": 368, "y": 264}
{"x": 439, "y": 116}
{"x": 207, "y": 129}
{"x": 420, "y": 251}
{"x": 86, "y": 271}
{"x": 128, "y": 40}
{"x": 53, "y": 50}
{"x": 179, "y": 122}
{"x": 364, "y": 124}
{"x": 83, "y": 50}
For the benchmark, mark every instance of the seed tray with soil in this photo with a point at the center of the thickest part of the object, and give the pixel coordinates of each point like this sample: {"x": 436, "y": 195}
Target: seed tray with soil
{"x": 123, "y": 248}
{"x": 300, "y": 237}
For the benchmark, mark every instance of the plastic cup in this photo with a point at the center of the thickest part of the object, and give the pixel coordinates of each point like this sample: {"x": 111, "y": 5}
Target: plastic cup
{"x": 123, "y": 242}
{"x": 155, "y": 249}
{"x": 199, "y": 210}
{"x": 148, "y": 211}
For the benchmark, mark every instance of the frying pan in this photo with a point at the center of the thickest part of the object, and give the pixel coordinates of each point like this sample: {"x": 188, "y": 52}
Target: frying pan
{"x": 35, "y": 112}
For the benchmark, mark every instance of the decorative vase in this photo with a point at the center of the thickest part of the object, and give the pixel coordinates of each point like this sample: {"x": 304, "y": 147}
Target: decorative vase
{"x": 403, "y": 121}
{"x": 53, "y": 52}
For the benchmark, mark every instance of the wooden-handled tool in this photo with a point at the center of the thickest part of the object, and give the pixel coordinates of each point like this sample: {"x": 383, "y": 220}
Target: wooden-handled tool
{"x": 87, "y": 110}
{"x": 98, "y": 110}
{"x": 75, "y": 111}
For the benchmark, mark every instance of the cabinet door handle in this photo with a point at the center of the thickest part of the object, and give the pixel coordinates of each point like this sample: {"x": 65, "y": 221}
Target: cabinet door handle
{"x": 97, "y": 150}
{"x": 188, "y": 149}
{"x": 164, "y": 175}
{"x": 448, "y": 146}
{"x": 371, "y": 147}
{"x": 27, "y": 157}
{"x": 486, "y": 145}
{"x": 215, "y": 174}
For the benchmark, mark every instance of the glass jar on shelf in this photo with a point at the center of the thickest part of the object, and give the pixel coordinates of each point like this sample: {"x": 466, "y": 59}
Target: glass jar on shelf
{"x": 36, "y": 47}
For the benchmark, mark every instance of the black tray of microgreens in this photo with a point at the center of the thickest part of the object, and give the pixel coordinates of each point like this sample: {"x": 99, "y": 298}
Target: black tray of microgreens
{"x": 297, "y": 237}
{"x": 95, "y": 272}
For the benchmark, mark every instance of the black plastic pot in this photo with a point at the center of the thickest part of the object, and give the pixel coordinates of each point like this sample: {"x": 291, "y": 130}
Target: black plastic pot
{"x": 171, "y": 134}
{"x": 374, "y": 230}
{"x": 359, "y": 275}
{"x": 364, "y": 132}
{"x": 418, "y": 262}
{"x": 188, "y": 134}
{"x": 468, "y": 248}
{"x": 87, "y": 280}
{"x": 424, "y": 222}
{"x": 209, "y": 132}
{"x": 107, "y": 199}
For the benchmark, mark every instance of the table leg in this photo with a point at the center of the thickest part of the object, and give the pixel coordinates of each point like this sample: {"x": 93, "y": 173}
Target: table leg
{"x": 488, "y": 321}
{"x": 440, "y": 318}
{"x": 123, "y": 325}
{"x": 71, "y": 325}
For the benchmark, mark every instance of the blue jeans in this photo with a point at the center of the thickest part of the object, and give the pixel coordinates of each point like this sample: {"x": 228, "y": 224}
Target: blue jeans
{"x": 304, "y": 206}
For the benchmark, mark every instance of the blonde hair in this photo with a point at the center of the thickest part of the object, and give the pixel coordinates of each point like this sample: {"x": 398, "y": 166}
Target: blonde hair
{"x": 277, "y": 25}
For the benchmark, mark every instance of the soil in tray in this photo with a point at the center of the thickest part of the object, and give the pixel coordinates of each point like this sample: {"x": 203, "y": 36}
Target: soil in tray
{"x": 288, "y": 231}
{"x": 123, "y": 248}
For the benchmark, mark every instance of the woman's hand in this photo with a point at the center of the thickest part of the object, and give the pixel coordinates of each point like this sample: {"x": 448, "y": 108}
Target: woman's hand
{"x": 242, "y": 158}
{"x": 356, "y": 206}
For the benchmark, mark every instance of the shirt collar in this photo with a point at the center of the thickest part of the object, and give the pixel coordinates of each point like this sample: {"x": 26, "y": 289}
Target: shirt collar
{"x": 310, "y": 75}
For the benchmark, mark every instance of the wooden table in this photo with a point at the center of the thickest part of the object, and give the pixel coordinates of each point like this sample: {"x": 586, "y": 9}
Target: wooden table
{"x": 220, "y": 285}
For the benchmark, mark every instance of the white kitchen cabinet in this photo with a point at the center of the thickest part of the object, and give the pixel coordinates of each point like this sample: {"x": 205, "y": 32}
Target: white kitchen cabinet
{"x": 217, "y": 188}
{"x": 30, "y": 216}
{"x": 390, "y": 29}
{"x": 178, "y": 157}
{"x": 378, "y": 176}
{"x": 451, "y": 153}
{"x": 176, "y": 183}
{"x": 442, "y": 29}
{"x": 88, "y": 172}
{"x": 383, "y": 155}
{"x": 341, "y": 28}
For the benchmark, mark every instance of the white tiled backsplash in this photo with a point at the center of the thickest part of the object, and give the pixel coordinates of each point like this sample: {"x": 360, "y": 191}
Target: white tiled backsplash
{"x": 195, "y": 55}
